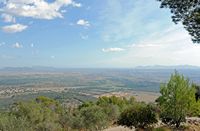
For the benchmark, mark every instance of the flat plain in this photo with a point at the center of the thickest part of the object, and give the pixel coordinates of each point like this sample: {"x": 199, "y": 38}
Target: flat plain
{"x": 74, "y": 86}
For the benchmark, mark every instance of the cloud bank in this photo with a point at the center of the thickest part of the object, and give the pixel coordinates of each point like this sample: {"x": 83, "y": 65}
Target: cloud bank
{"x": 8, "y": 18}
{"x": 38, "y": 9}
{"x": 17, "y": 45}
{"x": 83, "y": 22}
{"x": 14, "y": 28}
{"x": 112, "y": 49}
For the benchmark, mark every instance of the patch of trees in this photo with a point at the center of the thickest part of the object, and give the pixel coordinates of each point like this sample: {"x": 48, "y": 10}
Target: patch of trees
{"x": 188, "y": 13}
{"x": 47, "y": 114}
{"x": 177, "y": 101}
{"x": 197, "y": 94}
{"x": 176, "y": 98}
{"x": 139, "y": 116}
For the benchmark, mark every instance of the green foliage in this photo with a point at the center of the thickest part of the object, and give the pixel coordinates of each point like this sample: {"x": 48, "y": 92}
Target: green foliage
{"x": 94, "y": 118}
{"x": 121, "y": 102}
{"x": 194, "y": 106}
{"x": 161, "y": 129}
{"x": 45, "y": 114}
{"x": 187, "y": 12}
{"x": 138, "y": 116}
{"x": 176, "y": 99}
{"x": 194, "y": 109}
{"x": 12, "y": 123}
{"x": 86, "y": 104}
{"x": 112, "y": 111}
{"x": 197, "y": 93}
{"x": 41, "y": 114}
{"x": 77, "y": 122}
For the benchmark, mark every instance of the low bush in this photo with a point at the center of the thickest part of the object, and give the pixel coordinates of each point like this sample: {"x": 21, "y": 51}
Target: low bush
{"x": 138, "y": 116}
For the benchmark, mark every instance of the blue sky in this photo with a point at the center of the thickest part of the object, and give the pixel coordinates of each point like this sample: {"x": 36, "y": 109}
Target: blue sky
{"x": 91, "y": 33}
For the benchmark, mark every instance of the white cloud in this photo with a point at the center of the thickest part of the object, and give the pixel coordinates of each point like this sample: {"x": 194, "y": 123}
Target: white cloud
{"x": 83, "y": 22}
{"x": 14, "y": 28}
{"x": 17, "y": 45}
{"x": 2, "y": 44}
{"x": 146, "y": 45}
{"x": 39, "y": 9}
{"x": 8, "y": 18}
{"x": 112, "y": 49}
{"x": 76, "y": 4}
{"x": 32, "y": 45}
{"x": 168, "y": 47}
{"x": 63, "y": 11}
{"x": 147, "y": 34}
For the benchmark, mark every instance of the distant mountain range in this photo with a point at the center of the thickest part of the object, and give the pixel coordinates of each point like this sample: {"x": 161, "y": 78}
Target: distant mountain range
{"x": 178, "y": 67}
{"x": 43, "y": 68}
{"x": 31, "y": 69}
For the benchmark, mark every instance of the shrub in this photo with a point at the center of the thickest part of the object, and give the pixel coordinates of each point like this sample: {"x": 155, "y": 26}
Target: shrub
{"x": 161, "y": 129}
{"x": 94, "y": 118}
{"x": 139, "y": 116}
{"x": 176, "y": 100}
{"x": 40, "y": 114}
{"x": 12, "y": 123}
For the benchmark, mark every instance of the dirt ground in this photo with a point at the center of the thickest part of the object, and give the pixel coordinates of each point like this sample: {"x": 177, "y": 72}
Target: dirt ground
{"x": 118, "y": 128}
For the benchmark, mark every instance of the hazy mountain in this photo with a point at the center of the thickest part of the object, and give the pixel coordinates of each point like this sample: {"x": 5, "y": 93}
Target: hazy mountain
{"x": 178, "y": 67}
{"x": 27, "y": 69}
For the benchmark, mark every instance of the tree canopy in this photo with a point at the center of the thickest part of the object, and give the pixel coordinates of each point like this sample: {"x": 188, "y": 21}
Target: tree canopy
{"x": 177, "y": 99}
{"x": 188, "y": 13}
{"x": 138, "y": 116}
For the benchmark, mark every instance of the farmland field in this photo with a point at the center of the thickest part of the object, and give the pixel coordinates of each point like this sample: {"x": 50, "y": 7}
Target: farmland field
{"x": 73, "y": 86}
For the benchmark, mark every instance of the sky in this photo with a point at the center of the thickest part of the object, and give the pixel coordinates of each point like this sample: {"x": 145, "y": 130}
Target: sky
{"x": 92, "y": 33}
